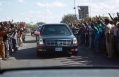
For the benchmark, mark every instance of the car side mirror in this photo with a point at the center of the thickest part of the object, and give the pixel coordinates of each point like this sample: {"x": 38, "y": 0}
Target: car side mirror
{"x": 75, "y": 32}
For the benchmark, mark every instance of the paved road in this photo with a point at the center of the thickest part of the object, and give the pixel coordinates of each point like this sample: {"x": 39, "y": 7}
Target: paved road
{"x": 26, "y": 57}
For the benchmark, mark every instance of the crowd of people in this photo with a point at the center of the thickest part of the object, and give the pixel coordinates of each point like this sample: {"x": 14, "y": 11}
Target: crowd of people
{"x": 101, "y": 34}
{"x": 11, "y": 37}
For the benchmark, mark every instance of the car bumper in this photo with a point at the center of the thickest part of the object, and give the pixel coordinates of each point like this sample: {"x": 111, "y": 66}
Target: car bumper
{"x": 55, "y": 49}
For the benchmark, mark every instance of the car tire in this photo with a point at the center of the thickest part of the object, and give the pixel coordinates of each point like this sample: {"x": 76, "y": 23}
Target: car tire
{"x": 75, "y": 53}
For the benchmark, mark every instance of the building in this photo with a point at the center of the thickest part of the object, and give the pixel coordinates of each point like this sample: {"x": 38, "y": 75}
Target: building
{"x": 83, "y": 12}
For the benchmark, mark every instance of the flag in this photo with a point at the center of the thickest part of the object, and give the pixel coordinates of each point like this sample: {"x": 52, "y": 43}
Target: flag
{"x": 78, "y": 7}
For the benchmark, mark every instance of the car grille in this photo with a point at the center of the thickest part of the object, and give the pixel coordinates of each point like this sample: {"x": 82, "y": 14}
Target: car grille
{"x": 58, "y": 42}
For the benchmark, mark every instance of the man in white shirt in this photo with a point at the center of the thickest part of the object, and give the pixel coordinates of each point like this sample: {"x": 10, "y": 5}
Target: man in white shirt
{"x": 109, "y": 37}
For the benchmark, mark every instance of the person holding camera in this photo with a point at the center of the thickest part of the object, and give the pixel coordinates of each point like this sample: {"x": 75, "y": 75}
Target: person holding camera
{"x": 3, "y": 32}
{"x": 14, "y": 39}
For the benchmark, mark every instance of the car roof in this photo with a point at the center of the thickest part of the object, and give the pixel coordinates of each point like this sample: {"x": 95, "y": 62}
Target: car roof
{"x": 55, "y": 24}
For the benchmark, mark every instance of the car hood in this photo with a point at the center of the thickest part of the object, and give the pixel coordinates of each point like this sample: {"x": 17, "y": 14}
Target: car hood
{"x": 57, "y": 37}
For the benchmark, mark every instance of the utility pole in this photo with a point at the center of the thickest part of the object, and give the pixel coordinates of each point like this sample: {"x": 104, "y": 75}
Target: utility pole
{"x": 90, "y": 10}
{"x": 75, "y": 7}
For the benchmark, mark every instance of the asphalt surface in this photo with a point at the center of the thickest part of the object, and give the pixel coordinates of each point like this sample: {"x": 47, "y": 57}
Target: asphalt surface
{"x": 26, "y": 57}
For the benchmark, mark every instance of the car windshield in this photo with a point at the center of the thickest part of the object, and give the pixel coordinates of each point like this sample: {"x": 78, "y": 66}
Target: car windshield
{"x": 55, "y": 30}
{"x": 69, "y": 33}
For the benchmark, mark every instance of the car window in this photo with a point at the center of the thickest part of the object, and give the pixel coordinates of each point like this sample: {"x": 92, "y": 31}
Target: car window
{"x": 55, "y": 30}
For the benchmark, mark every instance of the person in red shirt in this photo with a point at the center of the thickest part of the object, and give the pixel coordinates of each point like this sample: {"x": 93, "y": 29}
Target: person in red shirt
{"x": 2, "y": 46}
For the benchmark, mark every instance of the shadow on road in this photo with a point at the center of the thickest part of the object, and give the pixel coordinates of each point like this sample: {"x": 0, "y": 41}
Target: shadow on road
{"x": 53, "y": 56}
{"x": 30, "y": 41}
{"x": 88, "y": 57}
{"x": 30, "y": 53}
{"x": 85, "y": 57}
{"x": 33, "y": 35}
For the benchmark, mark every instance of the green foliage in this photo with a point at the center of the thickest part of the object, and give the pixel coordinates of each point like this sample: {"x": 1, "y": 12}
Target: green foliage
{"x": 27, "y": 25}
{"x": 93, "y": 18}
{"x": 67, "y": 18}
{"x": 86, "y": 18}
{"x": 31, "y": 26}
{"x": 35, "y": 25}
{"x": 70, "y": 18}
{"x": 41, "y": 23}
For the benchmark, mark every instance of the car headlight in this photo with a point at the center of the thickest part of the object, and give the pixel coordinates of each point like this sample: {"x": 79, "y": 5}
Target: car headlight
{"x": 75, "y": 41}
{"x": 41, "y": 41}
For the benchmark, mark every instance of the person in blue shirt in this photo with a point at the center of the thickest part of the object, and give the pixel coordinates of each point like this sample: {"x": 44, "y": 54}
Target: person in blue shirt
{"x": 96, "y": 37}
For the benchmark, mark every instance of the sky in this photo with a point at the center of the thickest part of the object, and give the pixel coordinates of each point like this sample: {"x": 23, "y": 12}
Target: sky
{"x": 52, "y": 11}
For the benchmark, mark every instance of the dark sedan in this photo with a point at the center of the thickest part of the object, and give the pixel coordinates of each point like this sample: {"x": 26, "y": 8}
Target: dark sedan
{"x": 57, "y": 38}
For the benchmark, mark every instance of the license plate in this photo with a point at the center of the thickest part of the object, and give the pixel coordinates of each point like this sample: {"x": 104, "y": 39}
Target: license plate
{"x": 58, "y": 49}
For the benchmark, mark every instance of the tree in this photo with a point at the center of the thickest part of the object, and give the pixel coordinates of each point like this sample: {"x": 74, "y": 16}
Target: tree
{"x": 35, "y": 25}
{"x": 86, "y": 18}
{"x": 27, "y": 25}
{"x": 41, "y": 23}
{"x": 70, "y": 18}
{"x": 93, "y": 18}
{"x": 67, "y": 18}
